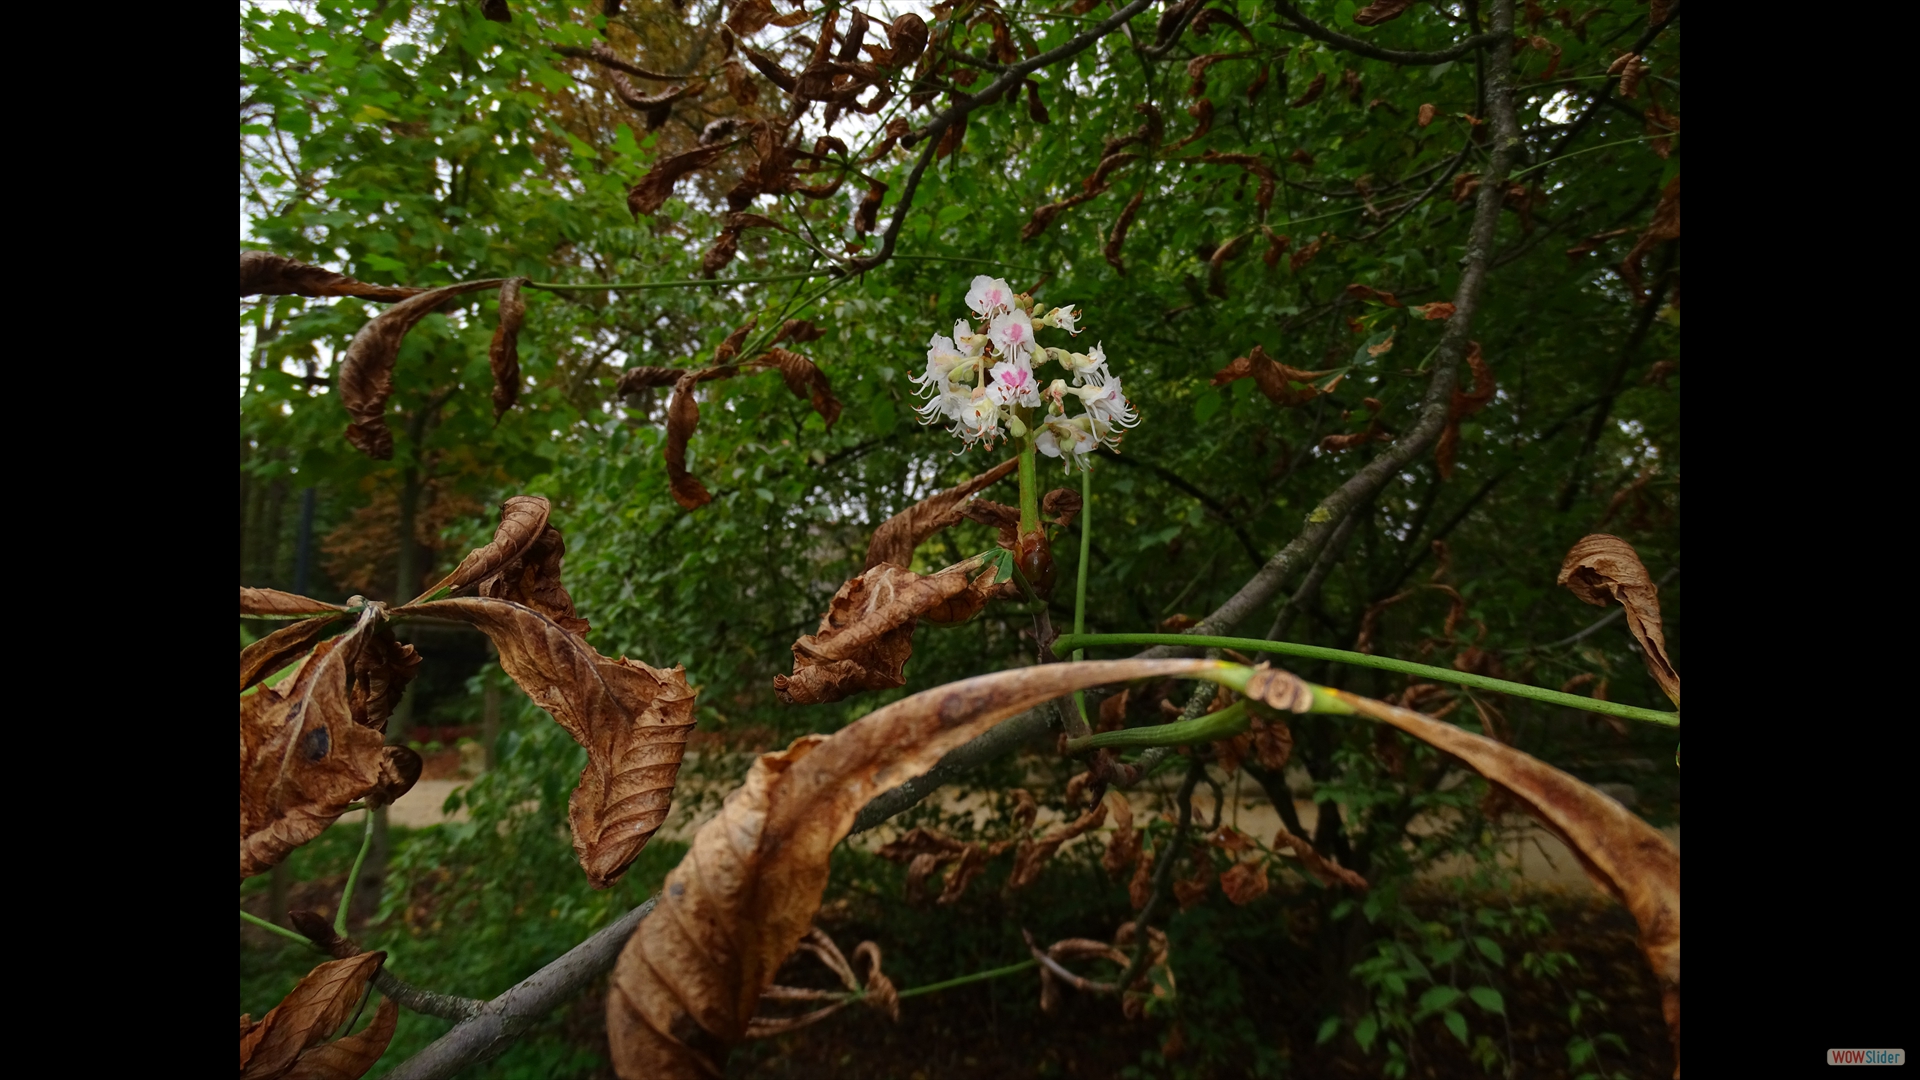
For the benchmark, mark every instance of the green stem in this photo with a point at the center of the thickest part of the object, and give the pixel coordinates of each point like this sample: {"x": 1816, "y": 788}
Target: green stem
{"x": 1224, "y": 724}
{"x": 978, "y": 976}
{"x": 353, "y": 878}
{"x": 1029, "y": 487}
{"x": 281, "y": 930}
{"x": 1067, "y": 642}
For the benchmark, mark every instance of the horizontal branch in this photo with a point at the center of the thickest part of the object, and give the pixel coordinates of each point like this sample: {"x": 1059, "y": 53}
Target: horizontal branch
{"x": 1374, "y": 52}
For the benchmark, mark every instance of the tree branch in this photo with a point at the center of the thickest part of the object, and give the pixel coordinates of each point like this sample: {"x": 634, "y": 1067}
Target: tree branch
{"x": 1374, "y": 52}
{"x": 504, "y": 1019}
{"x": 1014, "y": 77}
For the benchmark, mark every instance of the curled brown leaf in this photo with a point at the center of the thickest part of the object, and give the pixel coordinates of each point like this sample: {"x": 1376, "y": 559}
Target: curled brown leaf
{"x": 1427, "y": 113}
{"x": 1601, "y": 569}
{"x": 1284, "y": 386}
{"x": 366, "y": 368}
{"x": 303, "y": 758}
{"x": 805, "y": 380}
{"x": 1624, "y": 856}
{"x": 503, "y": 356}
{"x": 749, "y": 17}
{"x": 1463, "y": 405}
{"x": 274, "y": 603}
{"x": 1313, "y": 92}
{"x": 1329, "y": 873}
{"x": 1438, "y": 309}
{"x": 290, "y": 1040}
{"x": 1216, "y": 266}
{"x": 866, "y": 636}
{"x": 1245, "y": 882}
{"x": 283, "y": 646}
{"x": 1032, "y": 855}
{"x": 522, "y": 517}
{"x": 1381, "y": 11}
{"x": 262, "y": 273}
{"x": 1665, "y": 226}
{"x": 688, "y": 982}
{"x": 632, "y": 718}
{"x": 654, "y": 188}
{"x": 897, "y": 537}
{"x": 1123, "y": 847}
{"x": 1301, "y": 258}
{"x": 1120, "y": 228}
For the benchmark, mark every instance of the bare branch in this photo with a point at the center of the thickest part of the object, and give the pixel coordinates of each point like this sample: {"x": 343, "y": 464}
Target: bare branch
{"x": 1374, "y": 52}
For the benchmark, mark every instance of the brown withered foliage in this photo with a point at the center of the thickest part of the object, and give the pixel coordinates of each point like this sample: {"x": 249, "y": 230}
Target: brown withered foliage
{"x": 632, "y": 718}
{"x": 1157, "y": 981}
{"x": 1665, "y": 226}
{"x": 1464, "y": 404}
{"x": 262, "y": 273}
{"x": 1032, "y": 855}
{"x": 1381, "y": 11}
{"x": 1603, "y": 569}
{"x": 1283, "y": 385}
{"x": 366, "y": 368}
{"x": 1277, "y": 245}
{"x": 866, "y": 636}
{"x": 1427, "y": 113}
{"x": 1245, "y": 881}
{"x": 291, "y": 1040}
{"x": 1061, "y": 505}
{"x": 1626, "y": 858}
{"x": 273, "y": 602}
{"x": 1191, "y": 891}
{"x": 1053, "y": 973}
{"x": 925, "y": 851}
{"x": 688, "y": 982}
{"x": 1119, "y": 235}
{"x": 1301, "y": 258}
{"x": 1313, "y": 92}
{"x": 1438, "y": 309}
{"x": 1216, "y": 266}
{"x": 522, "y": 520}
{"x": 313, "y": 745}
{"x": 898, "y": 536}
{"x": 1123, "y": 847}
{"x": 283, "y": 646}
{"x": 1335, "y": 444}
{"x": 804, "y": 380}
{"x": 878, "y": 990}
{"x": 503, "y": 356}
{"x": 683, "y": 416}
{"x": 1368, "y": 292}
{"x": 653, "y": 189}
{"x": 1202, "y": 113}
{"x": 359, "y": 554}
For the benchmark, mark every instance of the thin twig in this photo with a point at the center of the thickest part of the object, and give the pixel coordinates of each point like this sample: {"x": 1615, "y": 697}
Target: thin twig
{"x": 1163, "y": 874}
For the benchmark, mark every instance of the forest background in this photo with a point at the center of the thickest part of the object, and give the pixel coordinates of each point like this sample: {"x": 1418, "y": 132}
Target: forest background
{"x": 1293, "y": 185}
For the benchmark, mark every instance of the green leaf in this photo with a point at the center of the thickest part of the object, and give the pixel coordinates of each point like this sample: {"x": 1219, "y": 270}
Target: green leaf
{"x": 1328, "y": 1029}
{"x": 1456, "y": 1024}
{"x": 1366, "y": 1031}
{"x": 1489, "y": 999}
{"x": 1490, "y": 949}
{"x": 1205, "y": 404}
{"x": 1438, "y": 997}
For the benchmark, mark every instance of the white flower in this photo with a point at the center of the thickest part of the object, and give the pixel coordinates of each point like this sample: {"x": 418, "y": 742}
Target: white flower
{"x": 1071, "y": 440}
{"x": 989, "y": 296}
{"x": 977, "y": 417}
{"x": 1087, "y": 366}
{"x": 1013, "y": 384}
{"x": 1012, "y": 334}
{"x": 945, "y": 405}
{"x": 1062, "y": 318}
{"x": 1107, "y": 404}
{"x": 969, "y": 343}
{"x": 942, "y": 359}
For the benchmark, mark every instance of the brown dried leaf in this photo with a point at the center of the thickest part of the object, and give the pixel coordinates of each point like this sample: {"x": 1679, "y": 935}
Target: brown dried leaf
{"x": 1061, "y": 505}
{"x": 262, "y": 273}
{"x": 351, "y": 1057}
{"x": 1427, "y": 113}
{"x": 749, "y": 17}
{"x": 1245, "y": 882}
{"x": 1120, "y": 228}
{"x": 1193, "y": 890}
{"x": 323, "y": 1000}
{"x": 1216, "y": 266}
{"x": 1140, "y": 889}
{"x": 1032, "y": 856}
{"x": 805, "y": 379}
{"x": 683, "y": 416}
{"x": 1439, "y": 309}
{"x": 302, "y": 756}
{"x": 1463, "y": 405}
{"x": 1664, "y": 226}
{"x": 1123, "y": 847}
{"x": 796, "y": 18}
{"x": 634, "y": 380}
{"x": 1368, "y": 292}
{"x": 1202, "y": 113}
{"x": 866, "y": 214}
{"x": 740, "y": 85}
{"x": 1602, "y": 569}
{"x": 503, "y": 356}
{"x": 1301, "y": 258}
{"x": 532, "y": 578}
{"x": 897, "y": 537}
{"x": 522, "y": 518}
{"x": 654, "y": 188}
{"x": 956, "y": 133}
{"x": 725, "y": 247}
{"x": 1276, "y": 380}
{"x": 866, "y": 636}
{"x": 798, "y": 331}
{"x": 366, "y": 368}
{"x": 1381, "y": 11}
{"x": 1625, "y": 856}
{"x": 689, "y": 980}
{"x": 908, "y": 36}
{"x": 1314, "y": 90}
{"x": 280, "y": 648}
{"x": 273, "y": 602}
{"x": 632, "y": 718}
{"x": 1272, "y": 743}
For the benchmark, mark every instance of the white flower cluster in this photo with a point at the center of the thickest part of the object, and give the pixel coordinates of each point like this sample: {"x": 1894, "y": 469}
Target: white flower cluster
{"x": 982, "y": 380}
